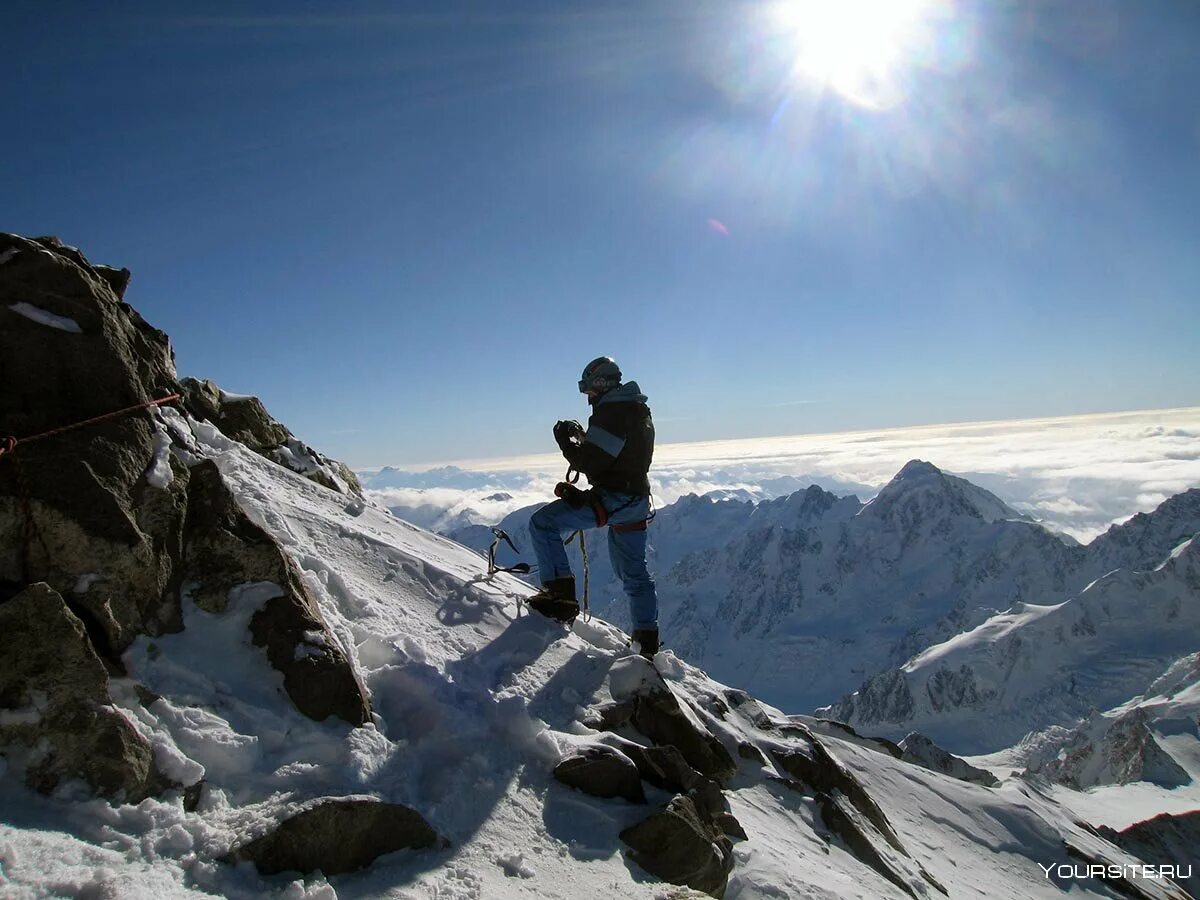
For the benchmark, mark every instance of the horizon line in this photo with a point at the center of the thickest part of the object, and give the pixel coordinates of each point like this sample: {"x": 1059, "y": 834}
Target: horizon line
{"x": 549, "y": 458}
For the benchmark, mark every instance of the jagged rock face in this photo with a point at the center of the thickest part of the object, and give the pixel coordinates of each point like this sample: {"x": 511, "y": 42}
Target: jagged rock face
{"x": 246, "y": 420}
{"x": 113, "y": 520}
{"x": 1113, "y": 751}
{"x": 1165, "y": 840}
{"x": 849, "y": 811}
{"x": 338, "y": 835}
{"x": 55, "y": 717}
{"x": 70, "y": 350}
{"x": 662, "y": 717}
{"x": 921, "y": 751}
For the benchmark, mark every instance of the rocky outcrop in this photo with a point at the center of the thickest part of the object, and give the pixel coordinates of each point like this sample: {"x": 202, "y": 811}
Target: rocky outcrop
{"x": 1112, "y": 750}
{"x": 222, "y": 549}
{"x": 245, "y": 419}
{"x": 678, "y": 844}
{"x": 602, "y": 772}
{"x": 338, "y": 835}
{"x": 1165, "y": 840}
{"x": 849, "y": 811}
{"x": 666, "y": 720}
{"x": 921, "y": 751}
{"x": 56, "y": 721}
{"x": 107, "y": 515}
{"x": 78, "y": 503}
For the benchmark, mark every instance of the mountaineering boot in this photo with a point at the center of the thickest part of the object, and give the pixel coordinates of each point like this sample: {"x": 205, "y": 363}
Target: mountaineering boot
{"x": 556, "y": 600}
{"x": 647, "y": 641}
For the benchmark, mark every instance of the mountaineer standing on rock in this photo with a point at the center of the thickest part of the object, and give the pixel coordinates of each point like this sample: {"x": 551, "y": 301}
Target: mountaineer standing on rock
{"x": 614, "y": 453}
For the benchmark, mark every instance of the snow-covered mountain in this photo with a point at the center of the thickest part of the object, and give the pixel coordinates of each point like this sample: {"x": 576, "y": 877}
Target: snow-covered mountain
{"x": 220, "y": 676}
{"x": 1038, "y": 664}
{"x": 806, "y": 597}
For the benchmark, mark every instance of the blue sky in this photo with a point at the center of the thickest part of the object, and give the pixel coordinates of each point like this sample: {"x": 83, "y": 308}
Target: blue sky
{"x": 408, "y": 227}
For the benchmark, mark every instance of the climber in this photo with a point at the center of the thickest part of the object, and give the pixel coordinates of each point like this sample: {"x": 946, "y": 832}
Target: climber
{"x": 614, "y": 453}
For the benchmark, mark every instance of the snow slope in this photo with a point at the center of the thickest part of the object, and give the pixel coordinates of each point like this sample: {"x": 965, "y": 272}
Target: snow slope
{"x": 1034, "y": 665}
{"x": 475, "y": 700}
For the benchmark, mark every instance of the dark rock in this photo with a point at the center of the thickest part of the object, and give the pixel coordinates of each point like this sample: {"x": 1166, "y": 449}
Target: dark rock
{"x": 191, "y": 796}
{"x": 678, "y": 846}
{"x": 664, "y": 767}
{"x": 246, "y": 420}
{"x": 87, "y": 492}
{"x": 55, "y": 688}
{"x": 921, "y": 751}
{"x": 862, "y": 839}
{"x": 224, "y": 549}
{"x": 610, "y": 716}
{"x": 243, "y": 419}
{"x": 338, "y": 835}
{"x": 602, "y": 772}
{"x": 816, "y": 767}
{"x": 660, "y": 716}
{"x": 750, "y": 710}
{"x": 116, "y": 279}
{"x": 746, "y": 750}
{"x": 730, "y": 826}
{"x": 1165, "y": 840}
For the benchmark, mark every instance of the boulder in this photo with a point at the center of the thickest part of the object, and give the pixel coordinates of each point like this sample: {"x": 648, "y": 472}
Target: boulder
{"x": 677, "y": 845}
{"x": 223, "y": 549}
{"x": 57, "y": 722}
{"x": 336, "y": 835}
{"x": 602, "y": 772}
{"x": 664, "y": 767}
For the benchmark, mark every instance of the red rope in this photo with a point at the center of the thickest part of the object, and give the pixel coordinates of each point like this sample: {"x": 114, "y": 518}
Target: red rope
{"x": 9, "y": 444}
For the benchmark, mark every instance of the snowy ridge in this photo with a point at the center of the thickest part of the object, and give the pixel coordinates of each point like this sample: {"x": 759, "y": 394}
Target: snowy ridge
{"x": 475, "y": 701}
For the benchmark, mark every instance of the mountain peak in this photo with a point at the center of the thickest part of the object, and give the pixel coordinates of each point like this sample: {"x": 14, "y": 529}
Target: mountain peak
{"x": 916, "y": 468}
{"x": 920, "y": 490}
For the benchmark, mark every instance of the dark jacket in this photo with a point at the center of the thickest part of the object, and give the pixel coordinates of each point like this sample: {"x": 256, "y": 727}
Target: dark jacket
{"x": 619, "y": 445}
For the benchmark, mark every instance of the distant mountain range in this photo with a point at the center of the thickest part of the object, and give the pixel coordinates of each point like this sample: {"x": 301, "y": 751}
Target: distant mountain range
{"x": 815, "y": 597}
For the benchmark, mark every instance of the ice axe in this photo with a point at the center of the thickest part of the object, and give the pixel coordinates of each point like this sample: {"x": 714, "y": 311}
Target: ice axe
{"x": 499, "y": 534}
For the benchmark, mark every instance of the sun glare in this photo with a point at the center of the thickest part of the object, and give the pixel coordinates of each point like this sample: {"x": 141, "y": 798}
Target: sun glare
{"x": 857, "y": 48}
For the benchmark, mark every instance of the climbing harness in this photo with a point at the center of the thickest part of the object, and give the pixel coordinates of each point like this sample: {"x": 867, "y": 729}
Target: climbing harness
{"x": 578, "y": 499}
{"x": 8, "y": 448}
{"x": 498, "y": 535}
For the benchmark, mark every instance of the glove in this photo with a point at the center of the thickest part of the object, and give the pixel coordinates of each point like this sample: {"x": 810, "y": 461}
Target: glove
{"x": 569, "y": 435}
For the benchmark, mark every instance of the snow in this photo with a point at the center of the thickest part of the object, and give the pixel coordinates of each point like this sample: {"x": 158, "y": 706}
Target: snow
{"x": 474, "y": 701}
{"x": 44, "y": 317}
{"x": 84, "y": 582}
{"x": 8, "y": 254}
{"x": 159, "y": 473}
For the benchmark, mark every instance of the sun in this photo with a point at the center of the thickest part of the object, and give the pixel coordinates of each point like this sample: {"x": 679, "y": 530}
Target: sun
{"x": 856, "y": 48}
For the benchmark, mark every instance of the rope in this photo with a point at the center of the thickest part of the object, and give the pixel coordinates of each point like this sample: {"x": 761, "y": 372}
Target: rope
{"x": 8, "y": 447}
{"x": 587, "y": 609}
{"x": 10, "y": 443}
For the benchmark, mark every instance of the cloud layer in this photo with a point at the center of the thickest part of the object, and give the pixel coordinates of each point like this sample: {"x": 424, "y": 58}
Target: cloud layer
{"x": 1078, "y": 474}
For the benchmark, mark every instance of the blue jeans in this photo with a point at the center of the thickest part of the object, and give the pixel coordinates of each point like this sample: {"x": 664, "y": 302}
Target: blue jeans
{"x": 627, "y": 549}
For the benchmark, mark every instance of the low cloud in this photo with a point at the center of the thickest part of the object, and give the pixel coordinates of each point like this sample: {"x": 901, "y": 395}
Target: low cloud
{"x": 1078, "y": 474}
